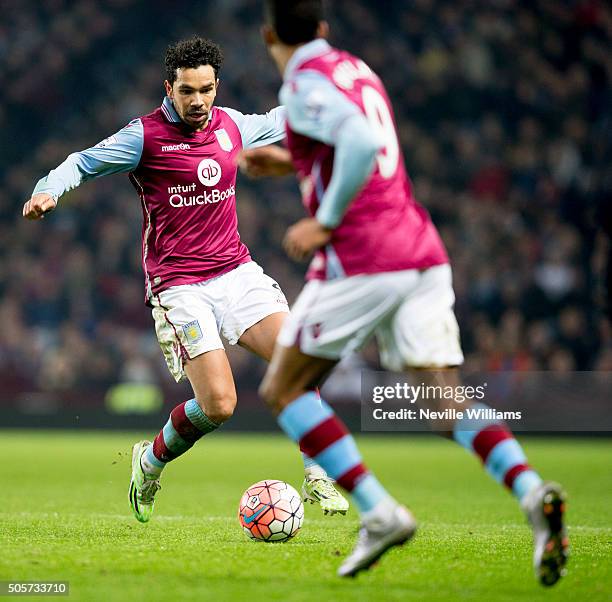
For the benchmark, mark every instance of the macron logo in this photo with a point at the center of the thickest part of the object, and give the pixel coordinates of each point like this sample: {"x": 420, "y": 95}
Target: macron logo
{"x": 175, "y": 147}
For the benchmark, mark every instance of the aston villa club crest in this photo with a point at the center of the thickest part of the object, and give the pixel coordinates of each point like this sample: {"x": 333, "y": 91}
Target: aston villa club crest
{"x": 224, "y": 140}
{"x": 193, "y": 332}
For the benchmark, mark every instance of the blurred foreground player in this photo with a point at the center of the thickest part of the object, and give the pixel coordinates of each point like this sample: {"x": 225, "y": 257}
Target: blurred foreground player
{"x": 380, "y": 269}
{"x": 200, "y": 279}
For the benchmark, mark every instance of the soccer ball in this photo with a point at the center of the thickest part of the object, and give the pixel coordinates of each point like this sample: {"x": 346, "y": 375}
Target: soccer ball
{"x": 271, "y": 511}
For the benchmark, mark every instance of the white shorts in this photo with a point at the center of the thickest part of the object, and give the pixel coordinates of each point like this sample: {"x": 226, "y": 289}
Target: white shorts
{"x": 189, "y": 318}
{"x": 410, "y": 312}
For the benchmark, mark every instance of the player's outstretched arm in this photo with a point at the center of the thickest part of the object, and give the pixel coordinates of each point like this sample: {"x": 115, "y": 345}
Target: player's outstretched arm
{"x": 259, "y": 130}
{"x": 266, "y": 161}
{"x": 116, "y": 154}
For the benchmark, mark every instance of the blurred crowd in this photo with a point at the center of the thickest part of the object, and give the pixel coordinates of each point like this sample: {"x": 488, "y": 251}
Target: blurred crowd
{"x": 504, "y": 110}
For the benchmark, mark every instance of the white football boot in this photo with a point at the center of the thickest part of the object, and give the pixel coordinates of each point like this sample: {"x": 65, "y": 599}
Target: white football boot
{"x": 545, "y": 507}
{"x": 376, "y": 536}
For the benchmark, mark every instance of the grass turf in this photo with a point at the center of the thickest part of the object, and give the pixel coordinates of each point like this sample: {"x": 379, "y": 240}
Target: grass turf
{"x": 65, "y": 516}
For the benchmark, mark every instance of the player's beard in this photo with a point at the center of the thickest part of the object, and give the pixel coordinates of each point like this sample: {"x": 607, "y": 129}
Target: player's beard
{"x": 197, "y": 119}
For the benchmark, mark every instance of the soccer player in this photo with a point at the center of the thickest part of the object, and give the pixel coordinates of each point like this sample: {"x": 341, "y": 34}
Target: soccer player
{"x": 380, "y": 269}
{"x": 200, "y": 279}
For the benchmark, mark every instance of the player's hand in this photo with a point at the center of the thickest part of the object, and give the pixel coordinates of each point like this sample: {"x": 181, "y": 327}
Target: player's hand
{"x": 305, "y": 237}
{"x": 265, "y": 161}
{"x": 38, "y": 206}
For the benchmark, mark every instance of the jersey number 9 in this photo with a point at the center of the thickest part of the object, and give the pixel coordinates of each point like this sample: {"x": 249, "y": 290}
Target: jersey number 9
{"x": 377, "y": 113}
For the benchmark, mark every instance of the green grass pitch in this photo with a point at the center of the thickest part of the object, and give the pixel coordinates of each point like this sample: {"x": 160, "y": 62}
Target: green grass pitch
{"x": 64, "y": 516}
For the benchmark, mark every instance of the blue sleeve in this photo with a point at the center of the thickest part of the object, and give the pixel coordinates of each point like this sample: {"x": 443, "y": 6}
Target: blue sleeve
{"x": 259, "y": 130}
{"x": 317, "y": 109}
{"x": 118, "y": 153}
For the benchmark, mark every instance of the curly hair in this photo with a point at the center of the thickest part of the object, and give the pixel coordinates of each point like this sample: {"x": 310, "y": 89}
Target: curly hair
{"x": 192, "y": 53}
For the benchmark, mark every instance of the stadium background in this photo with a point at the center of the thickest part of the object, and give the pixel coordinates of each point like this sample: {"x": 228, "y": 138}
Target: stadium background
{"x": 504, "y": 114}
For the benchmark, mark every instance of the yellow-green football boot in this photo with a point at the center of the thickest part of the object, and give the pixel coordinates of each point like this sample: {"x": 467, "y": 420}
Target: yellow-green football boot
{"x": 320, "y": 489}
{"x": 142, "y": 489}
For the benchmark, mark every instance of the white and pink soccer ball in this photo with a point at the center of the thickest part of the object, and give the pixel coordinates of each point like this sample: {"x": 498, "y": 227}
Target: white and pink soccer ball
{"x": 271, "y": 511}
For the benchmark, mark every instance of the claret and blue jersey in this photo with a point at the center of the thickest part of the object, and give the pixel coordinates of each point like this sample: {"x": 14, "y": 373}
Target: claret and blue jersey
{"x": 340, "y": 128}
{"x": 186, "y": 183}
